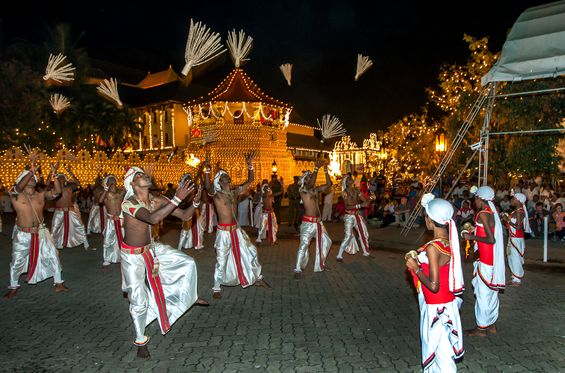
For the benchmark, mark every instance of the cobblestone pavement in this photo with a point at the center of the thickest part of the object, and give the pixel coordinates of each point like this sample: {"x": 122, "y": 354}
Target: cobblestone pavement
{"x": 361, "y": 316}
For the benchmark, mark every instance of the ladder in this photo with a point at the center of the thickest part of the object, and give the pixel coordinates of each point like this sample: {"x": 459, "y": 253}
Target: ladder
{"x": 463, "y": 130}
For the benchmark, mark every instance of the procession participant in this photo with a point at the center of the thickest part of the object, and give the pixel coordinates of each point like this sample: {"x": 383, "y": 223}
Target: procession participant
{"x": 293, "y": 203}
{"x": 268, "y": 228}
{"x": 489, "y": 269}
{"x": 192, "y": 232}
{"x": 352, "y": 219}
{"x": 170, "y": 274}
{"x": 66, "y": 226}
{"x": 438, "y": 278}
{"x": 312, "y": 225}
{"x": 33, "y": 251}
{"x": 111, "y": 201}
{"x": 96, "y": 223}
{"x": 245, "y": 208}
{"x": 236, "y": 257}
{"x": 518, "y": 222}
{"x": 208, "y": 212}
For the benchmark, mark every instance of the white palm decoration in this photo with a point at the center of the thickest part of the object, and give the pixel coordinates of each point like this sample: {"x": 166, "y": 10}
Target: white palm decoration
{"x": 363, "y": 64}
{"x": 58, "y": 72}
{"x": 239, "y": 45}
{"x": 202, "y": 46}
{"x": 109, "y": 89}
{"x": 286, "y": 70}
{"x": 59, "y": 103}
{"x": 330, "y": 127}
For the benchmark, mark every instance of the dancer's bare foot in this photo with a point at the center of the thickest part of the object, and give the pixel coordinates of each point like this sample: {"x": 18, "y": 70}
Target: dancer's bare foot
{"x": 262, "y": 284}
{"x": 10, "y": 294}
{"x": 202, "y": 302}
{"x": 476, "y": 332}
{"x": 297, "y": 275}
{"x": 143, "y": 352}
{"x": 327, "y": 268}
{"x": 217, "y": 295}
{"x": 492, "y": 329}
{"x": 339, "y": 260}
{"x": 60, "y": 288}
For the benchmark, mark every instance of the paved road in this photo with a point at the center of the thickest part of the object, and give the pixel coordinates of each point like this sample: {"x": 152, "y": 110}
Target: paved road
{"x": 359, "y": 317}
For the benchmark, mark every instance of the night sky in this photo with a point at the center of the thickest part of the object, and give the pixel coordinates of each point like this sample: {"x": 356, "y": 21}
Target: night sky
{"x": 407, "y": 41}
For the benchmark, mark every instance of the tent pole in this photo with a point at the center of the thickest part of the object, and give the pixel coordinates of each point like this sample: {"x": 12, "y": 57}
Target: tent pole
{"x": 483, "y": 159}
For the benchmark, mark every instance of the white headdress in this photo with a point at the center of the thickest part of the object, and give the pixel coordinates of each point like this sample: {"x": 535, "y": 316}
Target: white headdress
{"x": 265, "y": 186}
{"x": 106, "y": 179}
{"x": 305, "y": 174}
{"x": 128, "y": 178}
{"x": 344, "y": 182}
{"x": 521, "y": 197}
{"x": 23, "y": 174}
{"x": 217, "y": 186}
{"x": 441, "y": 211}
{"x": 486, "y": 193}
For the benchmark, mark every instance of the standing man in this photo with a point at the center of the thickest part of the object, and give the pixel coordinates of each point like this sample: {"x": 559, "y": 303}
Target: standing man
{"x": 277, "y": 190}
{"x": 517, "y": 223}
{"x": 438, "y": 278}
{"x": 268, "y": 228}
{"x": 352, "y": 219}
{"x": 33, "y": 250}
{"x": 208, "y": 212}
{"x": 489, "y": 269}
{"x": 312, "y": 221}
{"x": 96, "y": 223}
{"x": 293, "y": 203}
{"x": 328, "y": 204}
{"x": 67, "y": 227}
{"x": 236, "y": 257}
{"x": 161, "y": 282}
{"x": 111, "y": 201}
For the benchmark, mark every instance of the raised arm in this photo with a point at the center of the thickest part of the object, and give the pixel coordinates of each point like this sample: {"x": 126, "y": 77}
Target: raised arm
{"x": 328, "y": 184}
{"x": 74, "y": 179}
{"x": 250, "y": 174}
{"x": 167, "y": 206}
{"x": 185, "y": 214}
{"x": 206, "y": 170}
{"x": 56, "y": 191}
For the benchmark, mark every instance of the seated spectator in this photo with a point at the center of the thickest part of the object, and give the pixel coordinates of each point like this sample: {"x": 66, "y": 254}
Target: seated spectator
{"x": 388, "y": 212}
{"x": 465, "y": 214}
{"x": 559, "y": 218}
{"x": 536, "y": 220}
{"x": 339, "y": 209}
{"x": 401, "y": 212}
{"x": 505, "y": 204}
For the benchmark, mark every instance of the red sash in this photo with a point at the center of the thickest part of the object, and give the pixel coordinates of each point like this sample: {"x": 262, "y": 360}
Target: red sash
{"x": 33, "y": 254}
{"x": 232, "y": 228}
{"x": 316, "y": 220}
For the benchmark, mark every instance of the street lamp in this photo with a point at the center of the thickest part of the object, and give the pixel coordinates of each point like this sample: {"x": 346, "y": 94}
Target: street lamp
{"x": 274, "y": 167}
{"x": 441, "y": 147}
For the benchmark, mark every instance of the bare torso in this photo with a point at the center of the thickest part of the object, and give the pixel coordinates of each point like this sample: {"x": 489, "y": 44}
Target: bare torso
{"x": 225, "y": 204}
{"x": 67, "y": 197}
{"x": 351, "y": 198}
{"x": 137, "y": 232}
{"x": 310, "y": 201}
{"x": 113, "y": 202}
{"x": 268, "y": 200}
{"x": 25, "y": 206}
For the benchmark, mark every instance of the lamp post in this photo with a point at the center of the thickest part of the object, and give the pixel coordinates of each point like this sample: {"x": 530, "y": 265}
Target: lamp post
{"x": 441, "y": 147}
{"x": 274, "y": 167}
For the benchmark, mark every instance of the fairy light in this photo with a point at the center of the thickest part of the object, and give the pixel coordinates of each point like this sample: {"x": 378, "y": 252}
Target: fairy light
{"x": 161, "y": 132}
{"x": 173, "y": 125}
{"x": 150, "y": 130}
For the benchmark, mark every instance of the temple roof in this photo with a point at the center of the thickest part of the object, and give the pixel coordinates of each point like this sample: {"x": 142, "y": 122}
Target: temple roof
{"x": 160, "y": 78}
{"x": 239, "y": 87}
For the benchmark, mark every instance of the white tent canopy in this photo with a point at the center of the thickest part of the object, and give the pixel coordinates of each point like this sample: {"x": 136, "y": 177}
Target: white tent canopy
{"x": 534, "y": 48}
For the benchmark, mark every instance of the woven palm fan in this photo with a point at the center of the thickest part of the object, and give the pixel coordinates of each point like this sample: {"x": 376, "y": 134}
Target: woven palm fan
{"x": 57, "y": 72}
{"x": 363, "y": 64}
{"x": 239, "y": 45}
{"x": 286, "y": 70}
{"x": 330, "y": 127}
{"x": 59, "y": 103}
{"x": 202, "y": 46}
{"x": 108, "y": 88}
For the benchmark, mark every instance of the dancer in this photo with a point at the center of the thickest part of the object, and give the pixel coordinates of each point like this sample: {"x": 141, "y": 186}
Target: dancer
{"x": 268, "y": 228}
{"x": 33, "y": 250}
{"x": 438, "y": 278}
{"x": 208, "y": 212}
{"x": 489, "y": 269}
{"x": 111, "y": 201}
{"x": 236, "y": 257}
{"x": 96, "y": 223}
{"x": 66, "y": 226}
{"x": 192, "y": 232}
{"x": 354, "y": 201}
{"x": 170, "y": 274}
{"x": 312, "y": 225}
{"x": 517, "y": 223}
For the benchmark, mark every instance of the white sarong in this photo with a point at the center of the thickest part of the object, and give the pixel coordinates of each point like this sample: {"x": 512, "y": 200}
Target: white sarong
{"x": 269, "y": 227}
{"x": 193, "y": 237}
{"x": 113, "y": 238}
{"x": 515, "y": 251}
{"x": 486, "y": 303}
{"x": 67, "y": 229}
{"x": 170, "y": 292}
{"x": 349, "y": 243}
{"x": 244, "y": 215}
{"x": 441, "y": 334}
{"x": 96, "y": 217}
{"x": 208, "y": 217}
{"x": 34, "y": 253}
{"x": 237, "y": 262}
{"x": 312, "y": 227}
